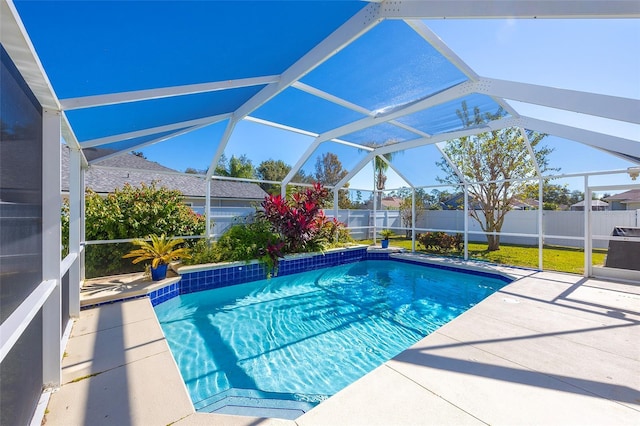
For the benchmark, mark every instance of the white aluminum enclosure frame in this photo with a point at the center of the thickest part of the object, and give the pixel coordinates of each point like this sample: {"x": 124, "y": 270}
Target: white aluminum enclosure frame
{"x": 15, "y": 39}
{"x": 47, "y": 295}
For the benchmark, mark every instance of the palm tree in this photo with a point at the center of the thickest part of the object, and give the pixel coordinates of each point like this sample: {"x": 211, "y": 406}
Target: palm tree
{"x": 380, "y": 168}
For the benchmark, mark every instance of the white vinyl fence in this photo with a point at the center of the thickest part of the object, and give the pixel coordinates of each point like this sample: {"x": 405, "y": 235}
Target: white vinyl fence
{"x": 564, "y": 228}
{"x": 224, "y": 217}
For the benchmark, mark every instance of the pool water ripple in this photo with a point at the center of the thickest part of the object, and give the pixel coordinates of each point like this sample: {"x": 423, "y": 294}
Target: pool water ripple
{"x": 309, "y": 335}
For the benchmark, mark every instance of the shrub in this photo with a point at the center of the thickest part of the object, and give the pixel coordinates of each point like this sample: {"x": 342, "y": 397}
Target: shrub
{"x": 331, "y": 233}
{"x": 441, "y": 241}
{"x": 203, "y": 251}
{"x": 135, "y": 212}
{"x": 246, "y": 241}
{"x": 298, "y": 222}
{"x": 430, "y": 240}
{"x": 131, "y": 212}
{"x": 296, "y": 219}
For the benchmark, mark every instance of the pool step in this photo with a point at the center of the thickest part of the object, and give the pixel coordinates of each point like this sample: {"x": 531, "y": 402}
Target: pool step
{"x": 255, "y": 403}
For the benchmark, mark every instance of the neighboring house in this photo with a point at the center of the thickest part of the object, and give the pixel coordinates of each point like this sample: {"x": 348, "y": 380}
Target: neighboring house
{"x": 134, "y": 170}
{"x": 386, "y": 203}
{"x": 528, "y": 204}
{"x": 629, "y": 200}
{"x": 596, "y": 206}
{"x": 391, "y": 203}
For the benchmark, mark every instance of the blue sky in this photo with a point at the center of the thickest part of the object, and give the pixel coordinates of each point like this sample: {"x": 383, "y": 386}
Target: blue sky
{"x": 597, "y": 56}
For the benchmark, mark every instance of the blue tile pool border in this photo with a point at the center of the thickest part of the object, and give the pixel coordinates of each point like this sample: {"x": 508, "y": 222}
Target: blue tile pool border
{"x": 219, "y": 276}
{"x": 225, "y": 276}
{"x": 484, "y": 274}
{"x": 240, "y": 273}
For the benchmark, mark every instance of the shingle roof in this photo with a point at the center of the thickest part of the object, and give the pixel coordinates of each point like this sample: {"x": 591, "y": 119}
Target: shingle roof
{"x": 626, "y": 197}
{"x": 128, "y": 161}
{"x": 594, "y": 203}
{"x": 134, "y": 170}
{"x": 391, "y": 202}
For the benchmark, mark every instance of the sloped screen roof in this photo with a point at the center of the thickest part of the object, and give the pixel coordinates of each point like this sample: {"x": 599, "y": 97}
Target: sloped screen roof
{"x": 351, "y": 73}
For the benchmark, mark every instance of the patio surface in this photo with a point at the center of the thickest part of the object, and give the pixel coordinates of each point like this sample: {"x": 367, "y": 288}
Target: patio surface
{"x": 103, "y": 289}
{"x": 549, "y": 348}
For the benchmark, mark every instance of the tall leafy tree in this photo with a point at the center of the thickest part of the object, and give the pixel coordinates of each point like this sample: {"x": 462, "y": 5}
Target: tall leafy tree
{"x": 277, "y": 170}
{"x": 221, "y": 168}
{"x": 329, "y": 171}
{"x": 554, "y": 196}
{"x": 240, "y": 167}
{"x": 493, "y": 157}
{"x": 194, "y": 171}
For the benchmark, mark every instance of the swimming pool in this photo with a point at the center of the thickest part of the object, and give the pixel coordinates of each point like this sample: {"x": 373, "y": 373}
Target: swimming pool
{"x": 286, "y": 344}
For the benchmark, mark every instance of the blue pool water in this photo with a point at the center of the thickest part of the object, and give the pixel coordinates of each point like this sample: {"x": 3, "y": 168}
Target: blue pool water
{"x": 303, "y": 337}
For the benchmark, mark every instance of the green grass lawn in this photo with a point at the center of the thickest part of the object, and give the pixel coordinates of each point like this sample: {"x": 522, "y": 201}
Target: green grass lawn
{"x": 554, "y": 258}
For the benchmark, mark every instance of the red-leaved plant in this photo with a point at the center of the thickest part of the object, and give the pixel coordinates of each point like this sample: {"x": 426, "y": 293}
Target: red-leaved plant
{"x": 299, "y": 221}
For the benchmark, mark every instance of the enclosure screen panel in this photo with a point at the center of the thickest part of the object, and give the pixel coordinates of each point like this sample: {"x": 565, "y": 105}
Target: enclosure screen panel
{"x": 21, "y": 376}
{"x": 20, "y": 189}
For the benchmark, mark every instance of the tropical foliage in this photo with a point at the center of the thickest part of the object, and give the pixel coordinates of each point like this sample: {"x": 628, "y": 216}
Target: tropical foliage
{"x": 161, "y": 250}
{"x": 281, "y": 225}
{"x": 135, "y": 212}
{"x": 386, "y": 233}
{"x": 299, "y": 222}
{"x": 245, "y": 241}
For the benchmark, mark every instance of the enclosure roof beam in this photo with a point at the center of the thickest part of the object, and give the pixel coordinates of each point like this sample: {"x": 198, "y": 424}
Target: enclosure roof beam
{"x": 301, "y": 161}
{"x": 357, "y": 25}
{"x": 303, "y": 132}
{"x": 446, "y": 95}
{"x": 432, "y": 38}
{"x": 231, "y": 125}
{"x": 329, "y": 97}
{"x": 70, "y": 138}
{"x": 443, "y": 137}
{"x": 151, "y": 142}
{"x": 454, "y": 167}
{"x": 612, "y": 144}
{"x": 349, "y": 105}
{"x": 164, "y": 92}
{"x": 612, "y": 107}
{"x": 153, "y": 130}
{"x": 342, "y": 182}
{"x": 17, "y": 43}
{"x": 532, "y": 154}
{"x": 529, "y": 9}
{"x": 396, "y": 170}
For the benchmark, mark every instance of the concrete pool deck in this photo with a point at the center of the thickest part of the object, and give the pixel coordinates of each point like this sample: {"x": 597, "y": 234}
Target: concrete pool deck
{"x": 549, "y": 348}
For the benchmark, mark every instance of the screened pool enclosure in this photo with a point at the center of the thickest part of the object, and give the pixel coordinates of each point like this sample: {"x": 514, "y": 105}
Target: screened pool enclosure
{"x": 369, "y": 82}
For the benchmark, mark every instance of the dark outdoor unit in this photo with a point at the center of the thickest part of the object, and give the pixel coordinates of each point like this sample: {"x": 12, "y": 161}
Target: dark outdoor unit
{"x": 624, "y": 254}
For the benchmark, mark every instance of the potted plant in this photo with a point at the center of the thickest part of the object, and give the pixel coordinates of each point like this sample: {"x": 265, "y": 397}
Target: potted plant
{"x": 161, "y": 250}
{"x": 385, "y": 234}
